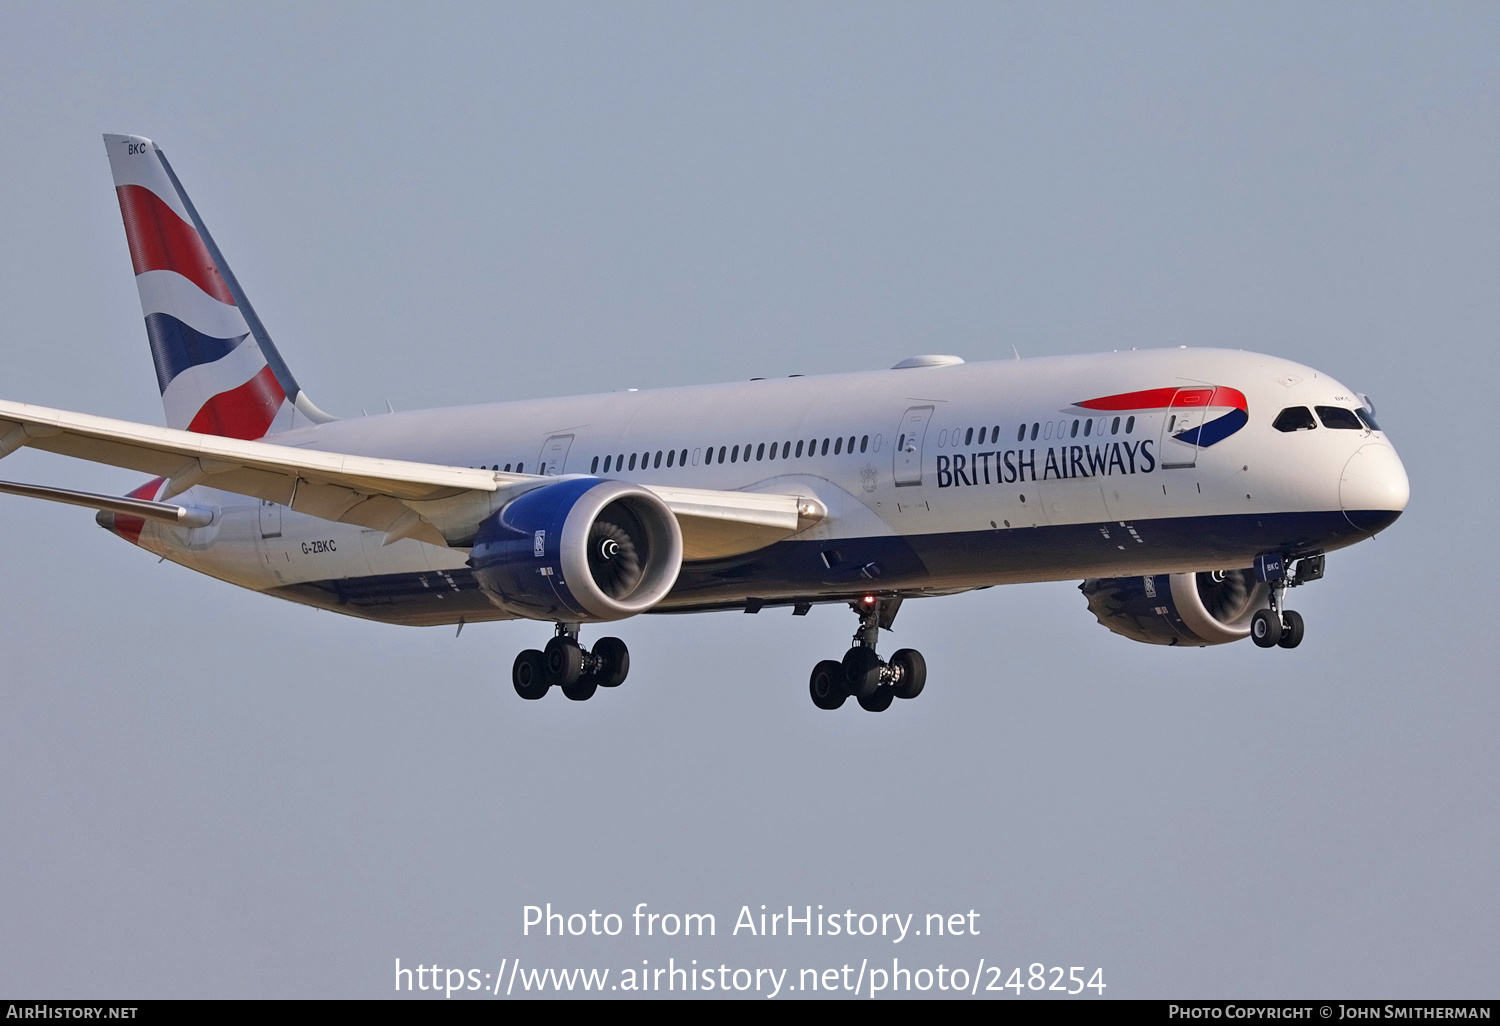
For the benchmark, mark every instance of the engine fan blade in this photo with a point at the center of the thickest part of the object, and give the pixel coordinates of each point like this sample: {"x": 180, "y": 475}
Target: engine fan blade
{"x": 618, "y": 550}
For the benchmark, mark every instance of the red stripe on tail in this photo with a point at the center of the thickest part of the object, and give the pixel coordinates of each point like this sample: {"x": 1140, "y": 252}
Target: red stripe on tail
{"x": 245, "y": 412}
{"x": 162, "y": 241}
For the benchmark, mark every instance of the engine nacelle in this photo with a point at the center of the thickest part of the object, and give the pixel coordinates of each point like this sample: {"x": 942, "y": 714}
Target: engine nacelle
{"x": 579, "y": 550}
{"x": 1179, "y": 609}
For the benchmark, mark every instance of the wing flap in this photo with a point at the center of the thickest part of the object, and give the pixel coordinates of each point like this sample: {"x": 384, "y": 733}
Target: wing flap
{"x": 720, "y": 523}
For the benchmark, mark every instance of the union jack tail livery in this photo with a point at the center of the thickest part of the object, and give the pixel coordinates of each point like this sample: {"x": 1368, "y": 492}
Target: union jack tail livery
{"x": 218, "y": 370}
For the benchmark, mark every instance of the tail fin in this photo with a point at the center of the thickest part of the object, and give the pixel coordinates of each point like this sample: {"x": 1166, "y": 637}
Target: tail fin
{"x": 219, "y": 372}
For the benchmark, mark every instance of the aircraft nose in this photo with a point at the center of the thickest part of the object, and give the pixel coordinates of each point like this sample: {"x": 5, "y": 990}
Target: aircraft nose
{"x": 1374, "y": 489}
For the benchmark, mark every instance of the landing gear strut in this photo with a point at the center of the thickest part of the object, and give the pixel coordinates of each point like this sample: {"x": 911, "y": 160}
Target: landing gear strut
{"x": 1278, "y": 626}
{"x": 862, "y": 674}
{"x": 566, "y": 664}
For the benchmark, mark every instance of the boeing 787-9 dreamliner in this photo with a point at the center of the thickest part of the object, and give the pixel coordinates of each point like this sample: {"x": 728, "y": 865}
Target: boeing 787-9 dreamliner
{"x": 1187, "y": 488}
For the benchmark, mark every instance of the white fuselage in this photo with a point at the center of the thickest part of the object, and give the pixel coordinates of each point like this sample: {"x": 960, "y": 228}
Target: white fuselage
{"x": 936, "y": 493}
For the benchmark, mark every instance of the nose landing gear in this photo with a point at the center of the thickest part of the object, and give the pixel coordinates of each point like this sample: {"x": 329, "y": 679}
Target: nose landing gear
{"x": 1278, "y": 626}
{"x": 862, "y": 674}
{"x": 565, "y": 664}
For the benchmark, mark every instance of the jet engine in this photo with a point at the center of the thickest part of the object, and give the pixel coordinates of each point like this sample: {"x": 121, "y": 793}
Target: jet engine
{"x": 580, "y": 550}
{"x": 1178, "y": 609}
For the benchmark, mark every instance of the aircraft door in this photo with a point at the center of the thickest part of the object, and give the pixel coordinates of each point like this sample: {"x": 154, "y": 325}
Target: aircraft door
{"x": 1188, "y": 410}
{"x": 909, "y": 439}
{"x": 554, "y": 455}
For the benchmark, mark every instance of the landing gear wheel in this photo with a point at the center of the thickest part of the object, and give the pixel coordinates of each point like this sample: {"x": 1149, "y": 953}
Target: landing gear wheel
{"x": 827, "y": 685}
{"x": 582, "y": 691}
{"x": 1291, "y": 635}
{"x": 564, "y": 661}
{"x": 614, "y": 662}
{"x": 861, "y": 672}
{"x": 913, "y": 670}
{"x": 1265, "y": 629}
{"x": 880, "y": 701}
{"x": 529, "y": 676}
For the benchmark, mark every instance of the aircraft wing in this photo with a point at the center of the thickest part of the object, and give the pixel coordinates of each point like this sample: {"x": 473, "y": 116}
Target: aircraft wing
{"x": 434, "y": 503}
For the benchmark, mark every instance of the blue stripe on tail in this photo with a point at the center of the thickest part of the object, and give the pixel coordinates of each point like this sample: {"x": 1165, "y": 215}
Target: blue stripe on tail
{"x": 175, "y": 347}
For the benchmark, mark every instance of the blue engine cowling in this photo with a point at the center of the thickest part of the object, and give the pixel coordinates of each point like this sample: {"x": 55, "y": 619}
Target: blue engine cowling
{"x": 1178, "y": 609}
{"x": 579, "y": 550}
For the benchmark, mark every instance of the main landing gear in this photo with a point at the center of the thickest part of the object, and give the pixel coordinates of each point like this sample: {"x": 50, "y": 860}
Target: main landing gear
{"x": 1278, "y": 626}
{"x": 862, "y": 674}
{"x": 566, "y": 664}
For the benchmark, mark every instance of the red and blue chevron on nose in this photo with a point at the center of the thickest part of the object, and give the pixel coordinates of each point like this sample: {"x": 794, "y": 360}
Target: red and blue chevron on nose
{"x": 213, "y": 376}
{"x": 1231, "y": 400}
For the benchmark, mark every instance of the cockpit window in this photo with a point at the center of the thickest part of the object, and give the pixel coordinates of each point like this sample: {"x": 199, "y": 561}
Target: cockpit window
{"x": 1294, "y": 418}
{"x": 1368, "y": 417}
{"x": 1340, "y": 418}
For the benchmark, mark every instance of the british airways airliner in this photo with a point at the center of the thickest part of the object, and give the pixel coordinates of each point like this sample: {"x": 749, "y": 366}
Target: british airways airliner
{"x": 1189, "y": 489}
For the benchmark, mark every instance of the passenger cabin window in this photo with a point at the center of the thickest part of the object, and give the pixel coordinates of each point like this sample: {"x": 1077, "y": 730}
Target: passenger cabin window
{"x": 594, "y": 467}
{"x": 1294, "y": 418}
{"x": 1339, "y": 418}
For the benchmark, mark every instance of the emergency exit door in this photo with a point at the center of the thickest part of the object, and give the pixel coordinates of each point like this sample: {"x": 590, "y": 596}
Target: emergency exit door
{"x": 1188, "y": 411}
{"x": 909, "y": 438}
{"x": 554, "y": 455}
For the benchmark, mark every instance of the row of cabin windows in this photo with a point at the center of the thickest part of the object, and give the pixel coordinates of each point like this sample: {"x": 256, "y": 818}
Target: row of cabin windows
{"x": 815, "y": 447}
{"x": 618, "y": 462}
{"x": 967, "y": 436}
{"x": 735, "y": 454}
{"x": 1084, "y": 428}
{"x": 1300, "y": 418}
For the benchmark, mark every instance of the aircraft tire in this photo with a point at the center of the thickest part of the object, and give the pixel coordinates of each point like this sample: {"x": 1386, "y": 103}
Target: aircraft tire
{"x": 528, "y": 675}
{"x": 826, "y": 686}
{"x": 861, "y": 671}
{"x": 1265, "y": 629}
{"x": 1291, "y": 637}
{"x": 880, "y": 701}
{"x": 913, "y": 672}
{"x": 564, "y": 661}
{"x": 580, "y": 692}
{"x": 615, "y": 662}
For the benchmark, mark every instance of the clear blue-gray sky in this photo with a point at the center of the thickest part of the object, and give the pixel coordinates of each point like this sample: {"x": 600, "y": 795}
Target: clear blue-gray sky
{"x": 211, "y": 793}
